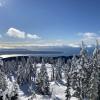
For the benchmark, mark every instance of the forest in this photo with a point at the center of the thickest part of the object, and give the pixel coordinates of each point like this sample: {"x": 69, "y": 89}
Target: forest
{"x": 79, "y": 74}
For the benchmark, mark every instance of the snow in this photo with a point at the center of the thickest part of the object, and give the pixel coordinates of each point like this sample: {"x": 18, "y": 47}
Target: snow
{"x": 57, "y": 91}
{"x": 57, "y": 88}
{"x": 73, "y": 98}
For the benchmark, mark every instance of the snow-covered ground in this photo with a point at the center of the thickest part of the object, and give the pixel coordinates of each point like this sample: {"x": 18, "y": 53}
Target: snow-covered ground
{"x": 57, "y": 89}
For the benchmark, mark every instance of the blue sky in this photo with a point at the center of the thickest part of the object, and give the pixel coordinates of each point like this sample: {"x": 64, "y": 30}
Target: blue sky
{"x": 49, "y": 21}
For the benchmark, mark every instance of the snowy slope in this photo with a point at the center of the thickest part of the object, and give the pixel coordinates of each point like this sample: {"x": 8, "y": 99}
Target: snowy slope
{"x": 57, "y": 88}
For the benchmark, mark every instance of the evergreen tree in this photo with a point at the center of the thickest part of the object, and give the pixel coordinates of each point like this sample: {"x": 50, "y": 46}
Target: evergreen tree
{"x": 68, "y": 85}
{"x": 68, "y": 77}
{"x": 14, "y": 91}
{"x": 95, "y": 76}
{"x": 79, "y": 75}
{"x": 43, "y": 80}
{"x": 58, "y": 73}
{"x": 34, "y": 70}
{"x": 94, "y": 84}
{"x": 3, "y": 84}
{"x": 53, "y": 72}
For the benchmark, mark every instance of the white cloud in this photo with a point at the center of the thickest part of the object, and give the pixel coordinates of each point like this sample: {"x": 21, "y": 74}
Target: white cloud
{"x": 16, "y": 33}
{"x": 33, "y": 36}
{"x": 89, "y": 37}
{"x": 12, "y": 32}
{"x": 88, "y": 34}
{"x": 0, "y": 36}
{"x": 74, "y": 45}
{"x": 2, "y": 3}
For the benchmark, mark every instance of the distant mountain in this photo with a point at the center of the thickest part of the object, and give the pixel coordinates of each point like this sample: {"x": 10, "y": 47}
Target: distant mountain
{"x": 45, "y": 51}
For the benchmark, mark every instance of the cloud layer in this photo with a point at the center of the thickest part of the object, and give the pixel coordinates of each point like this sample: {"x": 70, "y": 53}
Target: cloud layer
{"x": 27, "y": 39}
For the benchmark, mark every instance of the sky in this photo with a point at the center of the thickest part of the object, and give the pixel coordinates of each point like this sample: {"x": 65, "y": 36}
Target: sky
{"x": 49, "y": 22}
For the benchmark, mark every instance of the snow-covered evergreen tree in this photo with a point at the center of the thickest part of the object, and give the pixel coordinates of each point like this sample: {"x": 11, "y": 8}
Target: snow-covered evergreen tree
{"x": 43, "y": 80}
{"x": 79, "y": 70}
{"x": 95, "y": 76}
{"x": 68, "y": 75}
{"x": 3, "y": 84}
{"x": 68, "y": 85}
{"x": 94, "y": 82}
{"x": 25, "y": 71}
{"x": 53, "y": 68}
{"x": 29, "y": 70}
{"x": 53, "y": 72}
{"x": 20, "y": 74}
{"x": 34, "y": 70}
{"x": 14, "y": 91}
{"x": 58, "y": 73}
